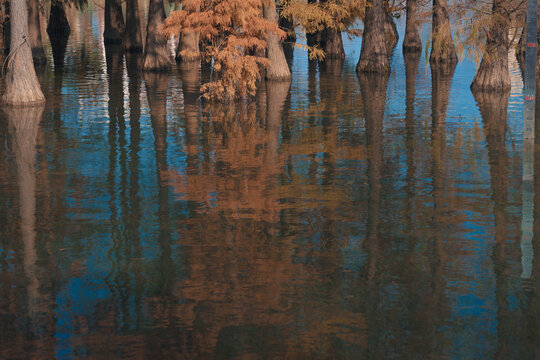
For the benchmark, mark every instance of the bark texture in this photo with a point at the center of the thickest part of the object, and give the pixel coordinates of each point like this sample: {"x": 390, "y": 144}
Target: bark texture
{"x": 34, "y": 31}
{"x": 332, "y": 44}
{"x": 133, "y": 42}
{"x": 493, "y": 72}
{"x": 278, "y": 69}
{"x": 58, "y": 23}
{"x": 188, "y": 47}
{"x": 5, "y": 27}
{"x": 156, "y": 54}
{"x": 390, "y": 32}
{"x": 374, "y": 55}
{"x": 114, "y": 22}
{"x": 21, "y": 85}
{"x": 442, "y": 45}
{"x": 412, "y": 42}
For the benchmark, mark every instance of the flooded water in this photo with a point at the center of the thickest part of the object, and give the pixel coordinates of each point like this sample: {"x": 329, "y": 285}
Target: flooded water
{"x": 338, "y": 217}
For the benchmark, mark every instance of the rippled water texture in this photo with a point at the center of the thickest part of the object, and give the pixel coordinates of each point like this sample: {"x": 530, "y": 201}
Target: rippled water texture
{"x": 339, "y": 217}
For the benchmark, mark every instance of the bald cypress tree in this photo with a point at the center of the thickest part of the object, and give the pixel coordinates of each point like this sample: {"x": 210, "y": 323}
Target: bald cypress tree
{"x": 21, "y": 85}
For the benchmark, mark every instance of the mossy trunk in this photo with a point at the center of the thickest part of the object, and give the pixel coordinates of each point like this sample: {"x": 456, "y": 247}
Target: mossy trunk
{"x": 58, "y": 23}
{"x": 278, "y": 68}
{"x": 156, "y": 54}
{"x": 442, "y": 45}
{"x": 34, "y": 32}
{"x": 412, "y": 42}
{"x": 374, "y": 54}
{"x": 493, "y": 72}
{"x": 21, "y": 85}
{"x": 114, "y": 22}
{"x": 133, "y": 41}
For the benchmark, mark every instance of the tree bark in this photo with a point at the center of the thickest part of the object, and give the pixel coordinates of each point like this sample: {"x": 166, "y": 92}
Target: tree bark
{"x": 332, "y": 44}
{"x": 188, "y": 47}
{"x": 390, "y": 32}
{"x": 4, "y": 40}
{"x": 493, "y": 72}
{"x": 114, "y": 22}
{"x": 34, "y": 32}
{"x": 21, "y": 85}
{"x": 412, "y": 42}
{"x": 278, "y": 69}
{"x": 156, "y": 55}
{"x": 374, "y": 55}
{"x": 442, "y": 45}
{"x": 133, "y": 41}
{"x": 58, "y": 23}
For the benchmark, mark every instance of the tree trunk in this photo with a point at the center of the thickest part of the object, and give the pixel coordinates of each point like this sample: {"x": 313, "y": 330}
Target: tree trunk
{"x": 442, "y": 45}
{"x": 34, "y": 31}
{"x": 114, "y": 22}
{"x": 374, "y": 55}
{"x": 390, "y": 32}
{"x": 332, "y": 44}
{"x": 493, "y": 72}
{"x": 133, "y": 41}
{"x": 21, "y": 84}
{"x": 58, "y": 23}
{"x": 156, "y": 54}
{"x": 313, "y": 38}
{"x": 4, "y": 40}
{"x": 188, "y": 47}
{"x": 278, "y": 69}
{"x": 412, "y": 42}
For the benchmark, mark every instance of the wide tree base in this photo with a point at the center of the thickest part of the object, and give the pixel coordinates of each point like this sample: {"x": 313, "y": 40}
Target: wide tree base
{"x": 23, "y": 98}
{"x": 153, "y": 63}
{"x": 491, "y": 78}
{"x": 373, "y": 67}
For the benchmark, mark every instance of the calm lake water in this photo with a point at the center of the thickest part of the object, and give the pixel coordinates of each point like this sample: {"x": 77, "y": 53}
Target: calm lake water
{"x": 340, "y": 217}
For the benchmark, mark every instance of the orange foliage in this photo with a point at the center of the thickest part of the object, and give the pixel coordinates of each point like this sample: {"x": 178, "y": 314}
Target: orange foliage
{"x": 233, "y": 34}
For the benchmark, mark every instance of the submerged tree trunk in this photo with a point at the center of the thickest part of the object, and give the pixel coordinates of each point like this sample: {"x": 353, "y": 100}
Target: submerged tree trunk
{"x": 493, "y": 72}
{"x": 412, "y": 42}
{"x": 114, "y": 22}
{"x": 21, "y": 85}
{"x": 156, "y": 55}
{"x": 374, "y": 55}
{"x": 34, "y": 32}
{"x": 278, "y": 69}
{"x": 442, "y": 45}
{"x": 58, "y": 23}
{"x": 133, "y": 41}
